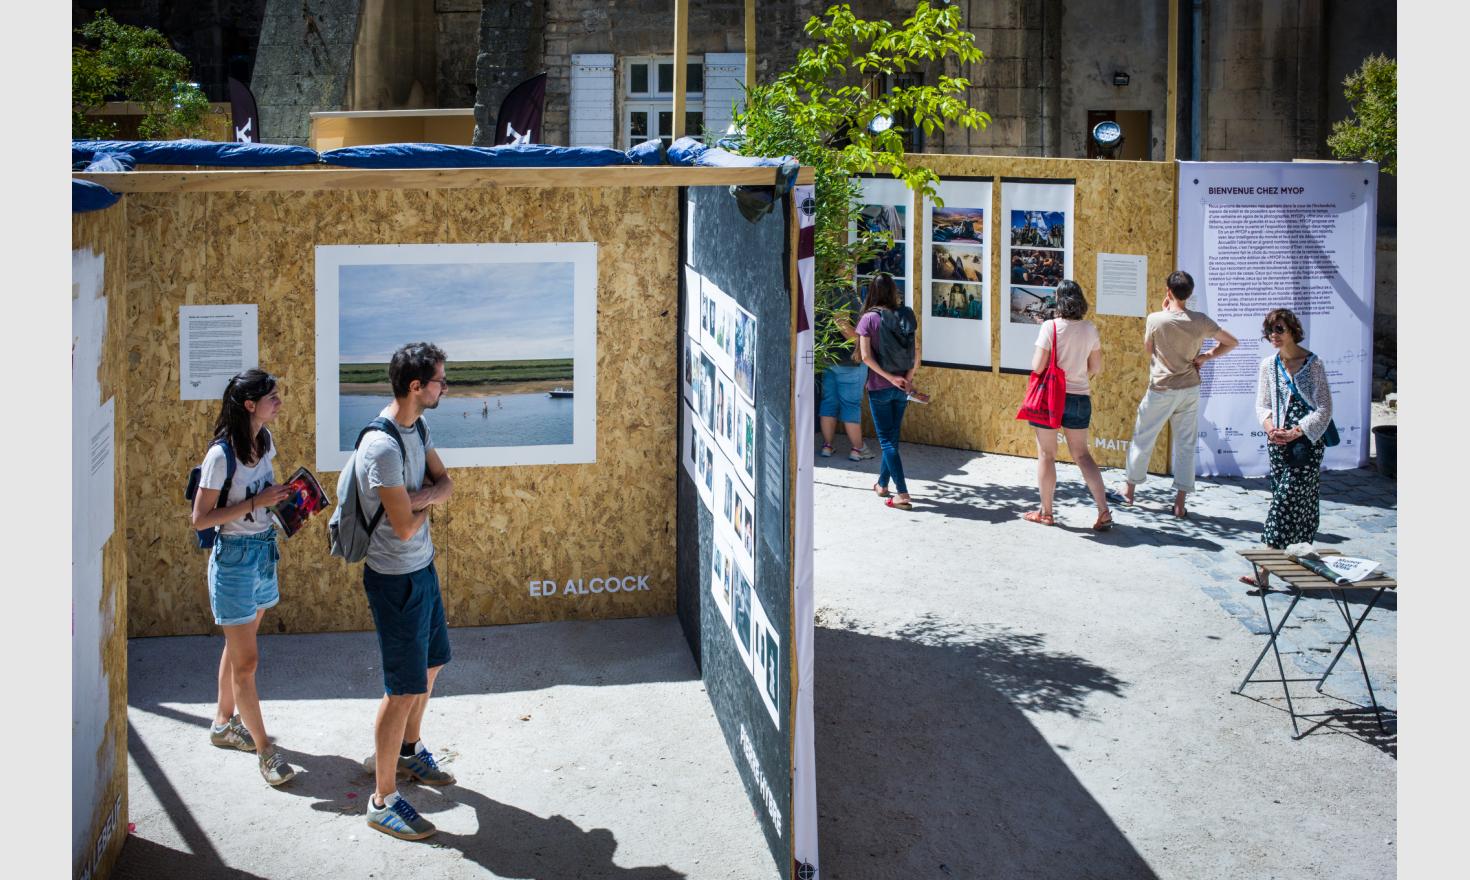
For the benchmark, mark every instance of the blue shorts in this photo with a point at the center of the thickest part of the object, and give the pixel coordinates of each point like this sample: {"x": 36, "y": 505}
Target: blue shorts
{"x": 842, "y": 392}
{"x": 1076, "y": 414}
{"x": 413, "y": 638}
{"x": 242, "y": 576}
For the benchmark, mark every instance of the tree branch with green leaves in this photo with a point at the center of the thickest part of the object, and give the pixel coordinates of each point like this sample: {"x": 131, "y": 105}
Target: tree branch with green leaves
{"x": 827, "y": 111}
{"x": 118, "y": 62}
{"x": 1372, "y": 132}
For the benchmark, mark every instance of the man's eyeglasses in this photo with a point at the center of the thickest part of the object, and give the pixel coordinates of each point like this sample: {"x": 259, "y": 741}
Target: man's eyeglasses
{"x": 443, "y": 383}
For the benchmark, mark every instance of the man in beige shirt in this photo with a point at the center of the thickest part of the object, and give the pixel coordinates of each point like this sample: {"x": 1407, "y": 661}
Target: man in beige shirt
{"x": 1173, "y": 337}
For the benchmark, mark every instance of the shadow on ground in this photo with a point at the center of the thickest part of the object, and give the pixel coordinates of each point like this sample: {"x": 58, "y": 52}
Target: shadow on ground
{"x": 927, "y": 767}
{"x": 143, "y": 859}
{"x": 578, "y": 653}
{"x": 509, "y": 842}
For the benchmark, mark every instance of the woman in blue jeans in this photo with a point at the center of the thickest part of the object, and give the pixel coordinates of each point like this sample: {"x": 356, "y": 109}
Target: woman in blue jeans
{"x": 888, "y": 390}
{"x": 842, "y": 386}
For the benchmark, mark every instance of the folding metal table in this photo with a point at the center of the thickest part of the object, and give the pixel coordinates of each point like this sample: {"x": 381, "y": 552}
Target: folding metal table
{"x": 1299, "y": 581}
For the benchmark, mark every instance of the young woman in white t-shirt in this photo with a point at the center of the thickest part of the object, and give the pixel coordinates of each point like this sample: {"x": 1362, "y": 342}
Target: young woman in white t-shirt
{"x": 1079, "y": 355}
{"x": 242, "y": 564}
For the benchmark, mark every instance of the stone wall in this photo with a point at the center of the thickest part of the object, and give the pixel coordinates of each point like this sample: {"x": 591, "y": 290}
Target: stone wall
{"x": 303, "y": 64}
{"x": 1263, "y": 88}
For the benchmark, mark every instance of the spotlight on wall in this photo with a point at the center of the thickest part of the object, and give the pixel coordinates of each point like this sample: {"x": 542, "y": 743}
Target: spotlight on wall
{"x": 1120, "y": 78}
{"x": 1108, "y": 136}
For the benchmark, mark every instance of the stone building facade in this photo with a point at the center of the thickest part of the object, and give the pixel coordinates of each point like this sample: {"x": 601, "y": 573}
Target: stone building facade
{"x": 1255, "y": 79}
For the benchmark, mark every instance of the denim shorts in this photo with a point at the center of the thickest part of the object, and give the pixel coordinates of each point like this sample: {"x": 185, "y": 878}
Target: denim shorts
{"x": 842, "y": 392}
{"x": 1076, "y": 414}
{"x": 242, "y": 576}
{"x": 408, "y": 613}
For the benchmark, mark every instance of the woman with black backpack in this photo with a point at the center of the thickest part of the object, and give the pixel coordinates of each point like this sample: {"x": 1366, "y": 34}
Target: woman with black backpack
{"x": 891, "y": 352}
{"x": 242, "y": 562}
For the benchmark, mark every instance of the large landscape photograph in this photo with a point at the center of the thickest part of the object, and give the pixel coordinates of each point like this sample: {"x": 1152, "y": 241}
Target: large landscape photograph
{"x": 507, "y": 327}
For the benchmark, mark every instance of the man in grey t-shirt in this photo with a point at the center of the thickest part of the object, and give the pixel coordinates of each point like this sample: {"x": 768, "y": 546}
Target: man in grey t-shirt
{"x": 402, "y": 586}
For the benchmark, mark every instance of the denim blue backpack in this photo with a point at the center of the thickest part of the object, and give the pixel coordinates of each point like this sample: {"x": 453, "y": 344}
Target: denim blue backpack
{"x": 205, "y": 537}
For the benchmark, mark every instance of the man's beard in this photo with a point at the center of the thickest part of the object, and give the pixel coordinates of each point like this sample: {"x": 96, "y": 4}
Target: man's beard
{"x": 435, "y": 404}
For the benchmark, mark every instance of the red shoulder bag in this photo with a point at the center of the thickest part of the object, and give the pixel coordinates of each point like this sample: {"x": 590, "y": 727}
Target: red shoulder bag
{"x": 1046, "y": 392}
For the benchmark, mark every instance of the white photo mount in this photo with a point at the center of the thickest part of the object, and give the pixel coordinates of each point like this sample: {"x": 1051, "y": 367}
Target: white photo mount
{"x": 330, "y": 259}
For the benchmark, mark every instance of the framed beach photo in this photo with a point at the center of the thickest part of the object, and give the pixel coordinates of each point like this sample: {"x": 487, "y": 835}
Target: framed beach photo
{"x": 517, "y": 322}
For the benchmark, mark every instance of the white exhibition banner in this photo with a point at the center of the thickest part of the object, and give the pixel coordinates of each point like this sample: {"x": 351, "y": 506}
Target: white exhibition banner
{"x": 1264, "y": 235}
{"x": 215, "y": 343}
{"x": 95, "y": 614}
{"x": 517, "y": 322}
{"x": 1036, "y": 230}
{"x": 887, "y": 206}
{"x": 1122, "y": 285}
{"x": 956, "y": 291}
{"x": 803, "y": 751}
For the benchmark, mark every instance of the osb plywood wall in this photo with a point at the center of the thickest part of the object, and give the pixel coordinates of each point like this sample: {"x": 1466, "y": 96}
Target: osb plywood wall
{"x": 504, "y": 526}
{"x": 104, "y": 233}
{"x": 1121, "y": 208}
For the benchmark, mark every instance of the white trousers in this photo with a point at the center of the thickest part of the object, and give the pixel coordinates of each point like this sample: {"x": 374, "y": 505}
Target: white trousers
{"x": 1179, "y": 409}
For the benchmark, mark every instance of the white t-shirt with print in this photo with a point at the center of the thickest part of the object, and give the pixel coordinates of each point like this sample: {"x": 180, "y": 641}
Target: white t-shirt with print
{"x": 248, "y": 482}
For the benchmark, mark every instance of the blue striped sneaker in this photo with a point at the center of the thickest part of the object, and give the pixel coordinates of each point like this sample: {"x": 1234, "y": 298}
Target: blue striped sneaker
{"x": 421, "y": 766}
{"x": 424, "y": 768}
{"x": 398, "y": 818}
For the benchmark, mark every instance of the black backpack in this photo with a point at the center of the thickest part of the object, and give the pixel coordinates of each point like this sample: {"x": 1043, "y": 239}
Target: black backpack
{"x": 205, "y": 537}
{"x": 896, "y": 339}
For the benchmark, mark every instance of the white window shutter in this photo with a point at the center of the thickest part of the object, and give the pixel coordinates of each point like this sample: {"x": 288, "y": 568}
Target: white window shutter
{"x": 724, "y": 87}
{"x": 592, "y": 101}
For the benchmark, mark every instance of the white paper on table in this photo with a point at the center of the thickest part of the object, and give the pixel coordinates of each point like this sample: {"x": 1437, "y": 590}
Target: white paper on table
{"x": 215, "y": 343}
{"x": 101, "y": 463}
{"x": 1349, "y": 567}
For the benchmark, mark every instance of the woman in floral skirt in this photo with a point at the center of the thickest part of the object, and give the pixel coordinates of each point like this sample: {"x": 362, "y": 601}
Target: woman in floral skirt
{"x": 1294, "y": 405}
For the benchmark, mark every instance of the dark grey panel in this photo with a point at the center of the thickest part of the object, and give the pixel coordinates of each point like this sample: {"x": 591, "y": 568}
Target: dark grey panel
{"x": 750, "y": 262}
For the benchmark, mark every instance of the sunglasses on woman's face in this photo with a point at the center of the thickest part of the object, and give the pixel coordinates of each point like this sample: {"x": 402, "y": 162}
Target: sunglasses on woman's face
{"x": 1279, "y": 328}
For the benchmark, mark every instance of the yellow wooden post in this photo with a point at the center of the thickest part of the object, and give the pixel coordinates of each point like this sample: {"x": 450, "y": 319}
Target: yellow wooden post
{"x": 749, "y": 43}
{"x": 1171, "y": 104}
{"x": 681, "y": 72}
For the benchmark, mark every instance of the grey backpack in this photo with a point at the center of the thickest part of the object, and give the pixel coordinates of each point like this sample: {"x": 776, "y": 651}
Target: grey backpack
{"x": 349, "y": 531}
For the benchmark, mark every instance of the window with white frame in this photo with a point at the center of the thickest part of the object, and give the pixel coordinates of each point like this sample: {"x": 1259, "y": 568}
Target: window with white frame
{"x": 648, "y": 99}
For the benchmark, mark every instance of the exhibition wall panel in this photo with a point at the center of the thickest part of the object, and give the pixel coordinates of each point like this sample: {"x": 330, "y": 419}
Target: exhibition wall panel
{"x": 735, "y": 511}
{"x": 1118, "y": 208}
{"x": 509, "y": 533}
{"x": 99, "y": 691}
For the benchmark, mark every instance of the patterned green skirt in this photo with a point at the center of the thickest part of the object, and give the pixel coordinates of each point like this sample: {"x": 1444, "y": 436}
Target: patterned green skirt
{"x": 1295, "y": 491}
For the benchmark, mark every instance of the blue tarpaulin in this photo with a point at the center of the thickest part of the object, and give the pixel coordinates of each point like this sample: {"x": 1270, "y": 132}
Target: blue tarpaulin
{"x": 195, "y": 152}
{"x": 111, "y": 162}
{"x": 88, "y": 196}
{"x": 113, "y": 156}
{"x": 650, "y": 152}
{"x": 688, "y": 151}
{"x": 454, "y": 156}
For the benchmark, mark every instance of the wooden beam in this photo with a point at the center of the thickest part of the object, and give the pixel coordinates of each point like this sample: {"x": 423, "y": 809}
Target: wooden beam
{"x": 431, "y": 178}
{"x": 750, "y": 46}
{"x": 681, "y": 66}
{"x": 1171, "y": 102}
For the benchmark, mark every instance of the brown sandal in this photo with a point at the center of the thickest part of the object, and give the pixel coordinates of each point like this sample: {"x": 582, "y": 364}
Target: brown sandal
{"x": 1037, "y": 516}
{"x": 1103, "y": 523}
{"x": 882, "y": 492}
